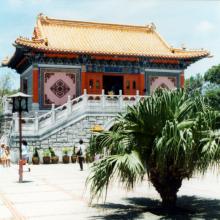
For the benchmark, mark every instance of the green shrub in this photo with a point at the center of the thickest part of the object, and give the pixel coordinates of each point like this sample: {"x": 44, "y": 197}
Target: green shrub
{"x": 46, "y": 153}
{"x": 66, "y": 151}
{"x": 36, "y": 154}
{"x": 52, "y": 152}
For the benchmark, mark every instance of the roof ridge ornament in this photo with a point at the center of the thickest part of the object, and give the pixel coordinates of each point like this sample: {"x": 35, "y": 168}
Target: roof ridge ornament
{"x": 183, "y": 46}
{"x": 152, "y": 26}
{"x": 42, "y": 17}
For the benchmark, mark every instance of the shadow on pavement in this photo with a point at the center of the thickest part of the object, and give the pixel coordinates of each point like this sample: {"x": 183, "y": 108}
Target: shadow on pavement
{"x": 188, "y": 207}
{"x": 25, "y": 181}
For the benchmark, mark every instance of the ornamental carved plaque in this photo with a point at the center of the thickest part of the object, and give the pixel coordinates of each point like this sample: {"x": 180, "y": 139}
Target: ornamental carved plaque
{"x": 58, "y": 85}
{"x": 165, "y": 82}
{"x": 60, "y": 88}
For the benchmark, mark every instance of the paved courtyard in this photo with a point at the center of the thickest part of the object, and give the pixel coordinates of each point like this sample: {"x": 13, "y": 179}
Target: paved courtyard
{"x": 58, "y": 192}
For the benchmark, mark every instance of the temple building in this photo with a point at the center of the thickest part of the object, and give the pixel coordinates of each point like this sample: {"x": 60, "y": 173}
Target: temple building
{"x": 65, "y": 57}
{"x": 82, "y": 74}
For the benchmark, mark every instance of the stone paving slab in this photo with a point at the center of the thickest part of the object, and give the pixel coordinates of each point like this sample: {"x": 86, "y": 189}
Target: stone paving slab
{"x": 5, "y": 213}
{"x": 58, "y": 192}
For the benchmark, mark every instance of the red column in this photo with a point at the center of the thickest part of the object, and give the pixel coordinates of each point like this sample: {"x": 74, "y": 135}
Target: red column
{"x": 35, "y": 97}
{"x": 142, "y": 84}
{"x": 83, "y": 82}
{"x": 182, "y": 80}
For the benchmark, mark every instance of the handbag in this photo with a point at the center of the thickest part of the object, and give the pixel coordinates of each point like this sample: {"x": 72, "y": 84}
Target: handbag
{"x": 79, "y": 152}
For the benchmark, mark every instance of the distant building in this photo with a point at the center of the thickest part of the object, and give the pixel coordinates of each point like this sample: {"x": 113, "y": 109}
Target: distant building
{"x": 65, "y": 57}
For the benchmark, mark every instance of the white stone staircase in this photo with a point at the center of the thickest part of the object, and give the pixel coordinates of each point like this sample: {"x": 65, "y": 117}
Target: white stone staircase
{"x": 77, "y": 117}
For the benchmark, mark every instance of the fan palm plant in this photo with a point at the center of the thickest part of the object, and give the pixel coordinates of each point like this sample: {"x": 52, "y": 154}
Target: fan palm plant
{"x": 168, "y": 136}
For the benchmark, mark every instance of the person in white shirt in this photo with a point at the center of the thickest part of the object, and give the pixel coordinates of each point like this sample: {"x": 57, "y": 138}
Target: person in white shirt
{"x": 25, "y": 153}
{"x": 81, "y": 153}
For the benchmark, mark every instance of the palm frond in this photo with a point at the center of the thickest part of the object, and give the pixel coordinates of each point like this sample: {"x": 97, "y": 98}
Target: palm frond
{"x": 126, "y": 168}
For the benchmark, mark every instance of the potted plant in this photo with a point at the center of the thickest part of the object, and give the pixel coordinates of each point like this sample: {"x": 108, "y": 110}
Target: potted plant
{"x": 46, "y": 156}
{"x": 54, "y": 157}
{"x": 35, "y": 157}
{"x": 73, "y": 156}
{"x": 66, "y": 157}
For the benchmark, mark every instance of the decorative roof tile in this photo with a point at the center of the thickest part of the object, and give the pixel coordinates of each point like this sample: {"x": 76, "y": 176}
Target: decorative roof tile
{"x": 99, "y": 38}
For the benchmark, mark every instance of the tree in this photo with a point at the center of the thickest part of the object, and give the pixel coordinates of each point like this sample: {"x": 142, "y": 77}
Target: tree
{"x": 212, "y": 92}
{"x": 213, "y": 96}
{"x": 6, "y": 83}
{"x": 213, "y": 75}
{"x": 194, "y": 84}
{"x": 168, "y": 136}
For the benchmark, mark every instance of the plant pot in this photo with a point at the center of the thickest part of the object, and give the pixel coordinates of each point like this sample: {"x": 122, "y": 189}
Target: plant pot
{"x": 35, "y": 160}
{"x": 89, "y": 159}
{"x": 46, "y": 160}
{"x": 54, "y": 159}
{"x": 66, "y": 159}
{"x": 73, "y": 158}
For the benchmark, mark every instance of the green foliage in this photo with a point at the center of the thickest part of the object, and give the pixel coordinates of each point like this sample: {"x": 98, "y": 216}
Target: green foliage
{"x": 74, "y": 151}
{"x": 213, "y": 75}
{"x": 93, "y": 148}
{"x": 46, "y": 153}
{"x": 65, "y": 151}
{"x": 194, "y": 84}
{"x": 36, "y": 154}
{"x": 169, "y": 136}
{"x": 6, "y": 83}
{"x": 213, "y": 96}
{"x": 52, "y": 152}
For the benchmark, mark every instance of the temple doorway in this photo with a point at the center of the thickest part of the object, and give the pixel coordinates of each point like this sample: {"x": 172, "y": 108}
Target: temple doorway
{"x": 112, "y": 84}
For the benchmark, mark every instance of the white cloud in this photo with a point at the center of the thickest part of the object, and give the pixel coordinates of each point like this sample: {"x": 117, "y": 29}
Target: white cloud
{"x": 21, "y": 3}
{"x": 15, "y": 3}
{"x": 205, "y": 27}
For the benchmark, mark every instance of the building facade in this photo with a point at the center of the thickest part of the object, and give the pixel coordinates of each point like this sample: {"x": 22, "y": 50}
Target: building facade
{"x": 65, "y": 57}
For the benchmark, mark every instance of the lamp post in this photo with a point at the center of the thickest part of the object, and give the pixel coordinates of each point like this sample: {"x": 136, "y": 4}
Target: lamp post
{"x": 20, "y": 104}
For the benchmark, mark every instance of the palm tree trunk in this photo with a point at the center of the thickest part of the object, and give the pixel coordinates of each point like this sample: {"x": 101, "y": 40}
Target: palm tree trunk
{"x": 167, "y": 185}
{"x": 169, "y": 197}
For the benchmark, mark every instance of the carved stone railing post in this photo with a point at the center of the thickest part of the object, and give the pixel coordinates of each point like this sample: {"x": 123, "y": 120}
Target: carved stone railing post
{"x": 36, "y": 122}
{"x": 16, "y": 121}
{"x": 53, "y": 113}
{"x": 85, "y": 99}
{"x": 69, "y": 106}
{"x": 137, "y": 96}
{"x": 120, "y": 100}
{"x": 103, "y": 98}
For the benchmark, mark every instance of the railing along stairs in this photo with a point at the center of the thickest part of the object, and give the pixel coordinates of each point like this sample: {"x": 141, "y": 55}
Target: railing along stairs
{"x": 86, "y": 104}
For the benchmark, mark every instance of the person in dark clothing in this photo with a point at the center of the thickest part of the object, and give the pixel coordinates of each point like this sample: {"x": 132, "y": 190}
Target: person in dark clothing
{"x": 81, "y": 153}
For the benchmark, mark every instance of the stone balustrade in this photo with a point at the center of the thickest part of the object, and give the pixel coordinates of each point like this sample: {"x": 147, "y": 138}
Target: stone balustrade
{"x": 84, "y": 104}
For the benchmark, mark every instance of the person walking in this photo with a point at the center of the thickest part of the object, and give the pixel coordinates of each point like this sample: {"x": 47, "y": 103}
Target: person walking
{"x": 1, "y": 152}
{"x": 81, "y": 154}
{"x": 3, "y": 155}
{"x": 8, "y": 157}
{"x": 25, "y": 154}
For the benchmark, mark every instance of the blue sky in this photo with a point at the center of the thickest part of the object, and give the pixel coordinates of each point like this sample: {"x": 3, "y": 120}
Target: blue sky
{"x": 192, "y": 23}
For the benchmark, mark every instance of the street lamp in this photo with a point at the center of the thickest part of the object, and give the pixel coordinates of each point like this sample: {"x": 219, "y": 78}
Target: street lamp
{"x": 20, "y": 104}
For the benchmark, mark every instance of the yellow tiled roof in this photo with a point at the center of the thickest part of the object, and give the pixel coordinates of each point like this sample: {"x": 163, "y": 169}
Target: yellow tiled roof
{"x": 99, "y": 38}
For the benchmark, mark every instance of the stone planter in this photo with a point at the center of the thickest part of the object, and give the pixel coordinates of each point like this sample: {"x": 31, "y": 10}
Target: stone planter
{"x": 54, "y": 159}
{"x": 35, "y": 160}
{"x": 66, "y": 159}
{"x": 73, "y": 158}
{"x": 46, "y": 160}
